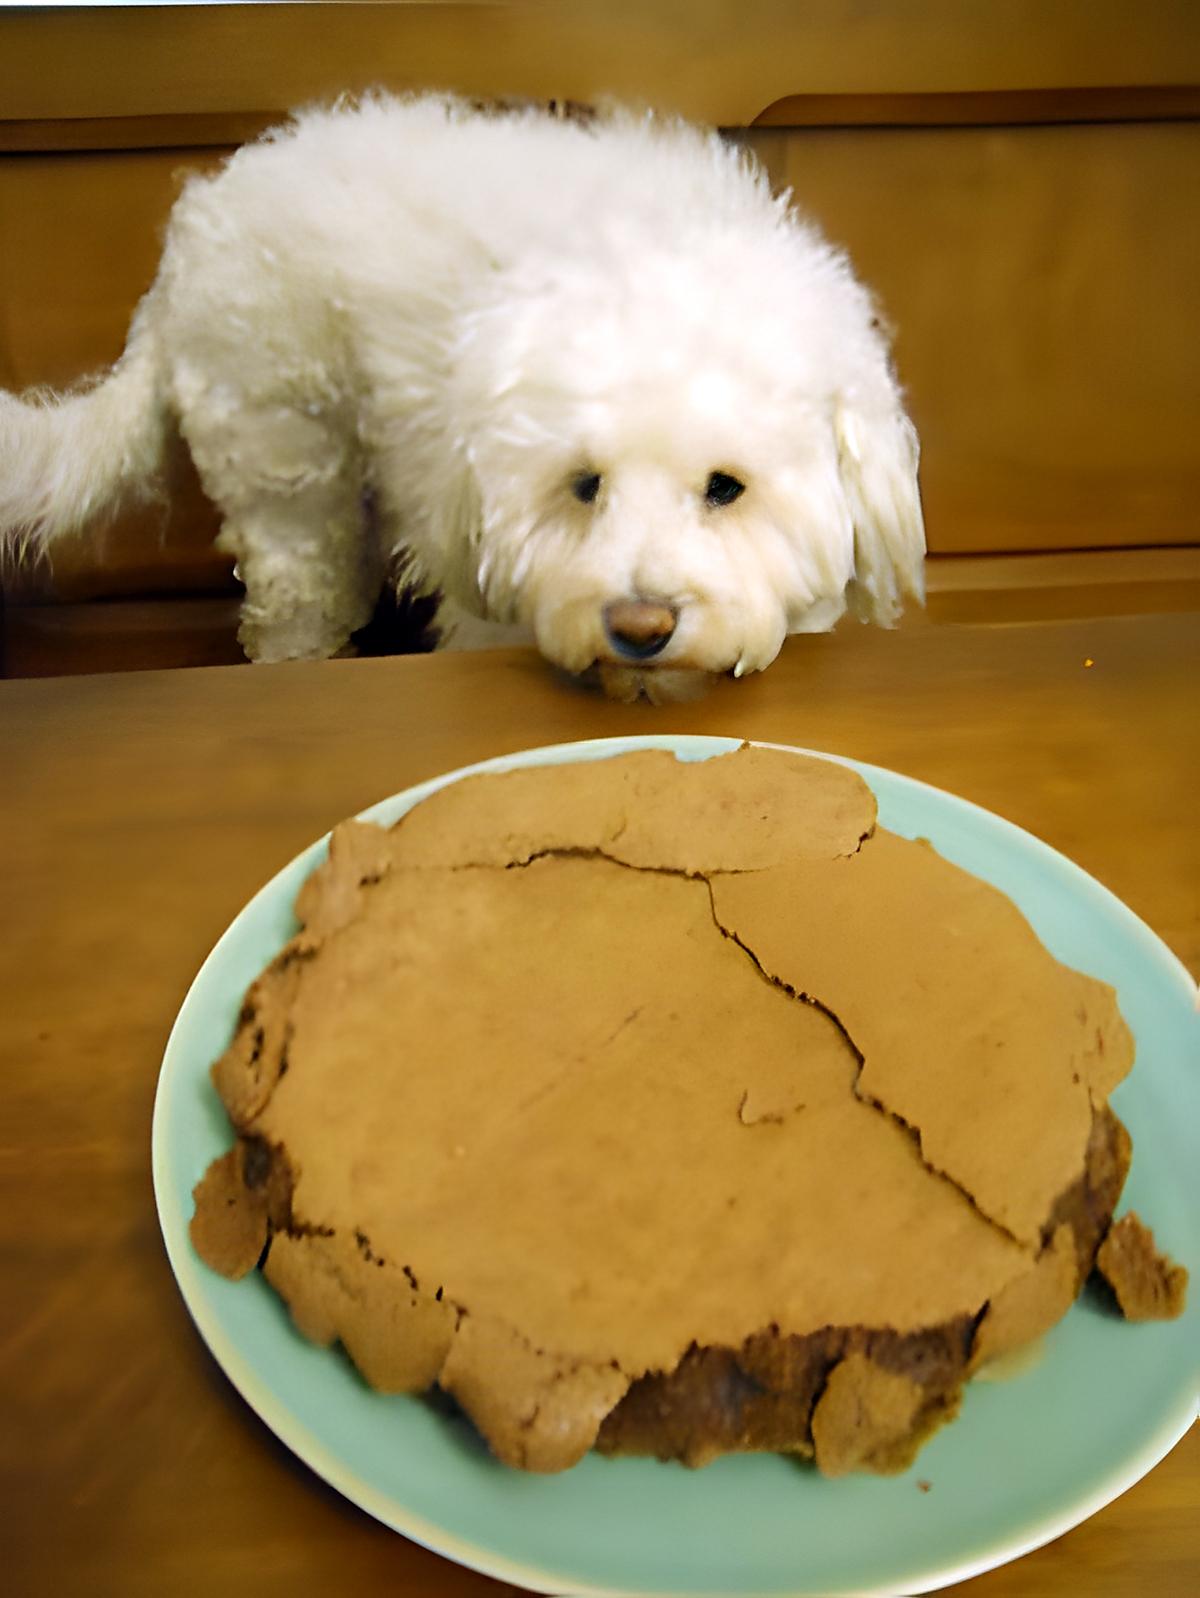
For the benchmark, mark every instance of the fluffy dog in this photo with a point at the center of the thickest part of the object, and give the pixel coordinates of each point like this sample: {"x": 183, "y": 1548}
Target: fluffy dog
{"x": 589, "y": 380}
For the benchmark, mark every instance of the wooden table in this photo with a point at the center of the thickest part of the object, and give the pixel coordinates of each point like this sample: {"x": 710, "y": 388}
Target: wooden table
{"x": 140, "y": 812}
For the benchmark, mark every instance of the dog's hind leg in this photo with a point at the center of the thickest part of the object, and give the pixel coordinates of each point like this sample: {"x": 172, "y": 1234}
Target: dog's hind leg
{"x": 289, "y": 489}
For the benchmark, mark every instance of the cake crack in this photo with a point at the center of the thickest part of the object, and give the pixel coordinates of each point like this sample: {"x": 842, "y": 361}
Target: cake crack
{"x": 912, "y": 1131}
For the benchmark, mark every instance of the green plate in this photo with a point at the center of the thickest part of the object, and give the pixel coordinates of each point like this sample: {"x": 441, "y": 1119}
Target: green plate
{"x": 1027, "y": 1459}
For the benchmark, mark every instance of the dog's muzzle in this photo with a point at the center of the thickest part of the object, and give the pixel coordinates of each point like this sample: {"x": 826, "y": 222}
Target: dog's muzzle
{"x": 639, "y": 629}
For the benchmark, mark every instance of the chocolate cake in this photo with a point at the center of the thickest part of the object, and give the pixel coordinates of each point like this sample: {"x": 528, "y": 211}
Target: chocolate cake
{"x": 669, "y": 1108}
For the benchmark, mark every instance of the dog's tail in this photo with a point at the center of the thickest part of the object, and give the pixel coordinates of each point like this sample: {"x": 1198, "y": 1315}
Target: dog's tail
{"x": 66, "y": 458}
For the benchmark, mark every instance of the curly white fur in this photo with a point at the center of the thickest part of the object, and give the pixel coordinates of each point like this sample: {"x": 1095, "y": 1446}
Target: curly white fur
{"x": 456, "y": 316}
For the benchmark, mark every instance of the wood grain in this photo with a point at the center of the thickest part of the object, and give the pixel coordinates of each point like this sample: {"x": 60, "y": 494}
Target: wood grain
{"x": 138, "y": 815}
{"x": 147, "y": 634}
{"x": 183, "y": 130}
{"x": 118, "y": 635}
{"x": 707, "y": 58}
{"x": 1037, "y": 279}
{"x": 980, "y": 108}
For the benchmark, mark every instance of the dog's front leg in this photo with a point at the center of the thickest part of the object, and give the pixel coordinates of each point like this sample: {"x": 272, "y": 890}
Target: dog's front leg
{"x": 310, "y": 578}
{"x": 289, "y": 490}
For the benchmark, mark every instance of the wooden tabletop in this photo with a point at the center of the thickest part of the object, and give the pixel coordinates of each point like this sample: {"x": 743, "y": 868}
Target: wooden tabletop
{"x": 139, "y": 813}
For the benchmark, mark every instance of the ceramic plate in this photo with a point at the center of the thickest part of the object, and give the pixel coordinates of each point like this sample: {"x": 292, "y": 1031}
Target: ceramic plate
{"x": 1027, "y": 1459}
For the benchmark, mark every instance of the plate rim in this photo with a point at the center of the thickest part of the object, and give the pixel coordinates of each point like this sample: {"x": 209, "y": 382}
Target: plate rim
{"x": 326, "y": 1463}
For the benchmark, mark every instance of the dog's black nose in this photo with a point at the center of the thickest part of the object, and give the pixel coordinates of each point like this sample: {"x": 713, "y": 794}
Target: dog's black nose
{"x": 639, "y": 628}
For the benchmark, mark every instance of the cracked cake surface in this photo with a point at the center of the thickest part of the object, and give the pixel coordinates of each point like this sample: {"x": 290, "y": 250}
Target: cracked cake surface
{"x": 610, "y": 1095}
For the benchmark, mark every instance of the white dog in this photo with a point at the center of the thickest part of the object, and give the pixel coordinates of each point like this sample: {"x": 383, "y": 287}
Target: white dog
{"x": 589, "y": 380}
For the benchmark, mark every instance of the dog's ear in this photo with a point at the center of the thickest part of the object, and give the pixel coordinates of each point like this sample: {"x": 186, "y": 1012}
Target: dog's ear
{"x": 877, "y": 460}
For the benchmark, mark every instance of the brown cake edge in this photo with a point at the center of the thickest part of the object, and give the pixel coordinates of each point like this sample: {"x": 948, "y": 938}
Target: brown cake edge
{"x": 1147, "y": 1285}
{"x": 853, "y": 1398}
{"x": 860, "y": 1398}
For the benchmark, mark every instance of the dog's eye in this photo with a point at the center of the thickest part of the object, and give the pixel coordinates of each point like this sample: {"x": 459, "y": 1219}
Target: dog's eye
{"x": 586, "y": 486}
{"x": 722, "y": 489}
